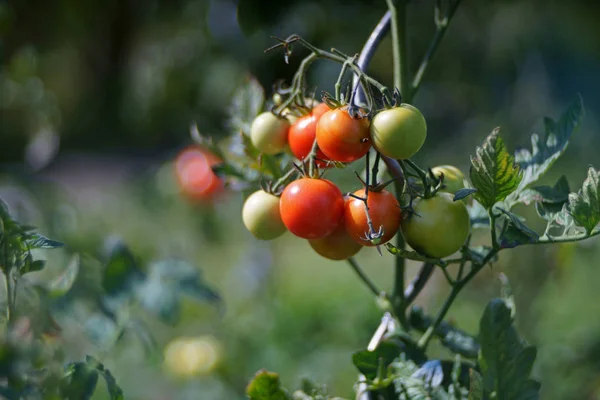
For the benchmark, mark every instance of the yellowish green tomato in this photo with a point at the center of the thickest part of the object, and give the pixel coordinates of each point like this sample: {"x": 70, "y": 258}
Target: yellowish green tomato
{"x": 269, "y": 133}
{"x": 261, "y": 216}
{"x": 454, "y": 179}
{"x": 399, "y": 132}
{"x": 438, "y": 227}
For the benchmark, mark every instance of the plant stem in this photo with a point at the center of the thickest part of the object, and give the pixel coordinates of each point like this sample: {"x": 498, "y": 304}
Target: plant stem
{"x": 361, "y": 274}
{"x": 10, "y": 297}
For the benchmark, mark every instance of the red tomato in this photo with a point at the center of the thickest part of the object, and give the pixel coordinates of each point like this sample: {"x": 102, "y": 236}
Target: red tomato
{"x": 338, "y": 245}
{"x": 384, "y": 210}
{"x": 311, "y": 208}
{"x": 341, "y": 137}
{"x": 302, "y": 133}
{"x": 194, "y": 174}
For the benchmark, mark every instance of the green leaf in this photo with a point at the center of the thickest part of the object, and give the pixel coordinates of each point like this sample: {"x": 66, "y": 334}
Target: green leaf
{"x": 114, "y": 390}
{"x": 476, "y": 386}
{"x": 266, "y": 386}
{"x": 546, "y": 151}
{"x": 121, "y": 271}
{"x": 33, "y": 266}
{"x": 584, "y": 205}
{"x": 79, "y": 381}
{"x": 505, "y": 361}
{"x": 60, "y": 285}
{"x": 463, "y": 193}
{"x": 493, "y": 172}
{"x": 246, "y": 104}
{"x": 516, "y": 232}
{"x": 37, "y": 241}
{"x": 367, "y": 362}
{"x": 557, "y": 194}
{"x": 414, "y": 383}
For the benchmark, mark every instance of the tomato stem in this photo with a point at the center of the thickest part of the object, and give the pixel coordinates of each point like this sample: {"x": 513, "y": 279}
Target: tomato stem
{"x": 361, "y": 274}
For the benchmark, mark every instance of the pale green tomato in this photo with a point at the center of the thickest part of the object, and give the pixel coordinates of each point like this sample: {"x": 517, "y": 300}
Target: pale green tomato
{"x": 454, "y": 179}
{"x": 261, "y": 216}
{"x": 438, "y": 227}
{"x": 269, "y": 133}
{"x": 399, "y": 132}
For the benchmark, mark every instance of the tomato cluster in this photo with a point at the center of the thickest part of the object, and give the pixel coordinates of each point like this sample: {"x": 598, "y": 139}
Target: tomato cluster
{"x": 338, "y": 226}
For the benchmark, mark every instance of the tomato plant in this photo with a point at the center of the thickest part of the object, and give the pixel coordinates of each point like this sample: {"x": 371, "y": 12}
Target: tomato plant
{"x": 384, "y": 212}
{"x": 454, "y": 179}
{"x": 261, "y": 215}
{"x": 311, "y": 208}
{"x": 438, "y": 226}
{"x": 399, "y": 132}
{"x": 195, "y": 175}
{"x": 341, "y": 137}
{"x": 302, "y": 134}
{"x": 269, "y": 133}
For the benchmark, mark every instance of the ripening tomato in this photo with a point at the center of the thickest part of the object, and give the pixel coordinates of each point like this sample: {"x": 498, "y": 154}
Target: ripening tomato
{"x": 438, "y": 227}
{"x": 341, "y": 137}
{"x": 384, "y": 211}
{"x": 399, "y": 132}
{"x": 311, "y": 208}
{"x": 195, "y": 175}
{"x": 261, "y": 215}
{"x": 302, "y": 133}
{"x": 269, "y": 133}
{"x": 338, "y": 245}
{"x": 454, "y": 180}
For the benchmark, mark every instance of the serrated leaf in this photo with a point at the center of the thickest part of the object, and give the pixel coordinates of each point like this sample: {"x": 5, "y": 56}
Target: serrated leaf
{"x": 584, "y": 205}
{"x": 266, "y": 386}
{"x": 431, "y": 373}
{"x": 246, "y": 104}
{"x": 463, "y": 193}
{"x": 367, "y": 362}
{"x": 493, "y": 171}
{"x": 557, "y": 194}
{"x": 60, "y": 285}
{"x": 545, "y": 151}
{"x": 114, "y": 390}
{"x": 37, "y": 241}
{"x": 409, "y": 384}
{"x": 505, "y": 362}
{"x": 516, "y": 232}
{"x": 79, "y": 382}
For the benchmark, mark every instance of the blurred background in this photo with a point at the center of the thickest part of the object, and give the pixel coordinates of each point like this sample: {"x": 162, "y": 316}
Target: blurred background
{"x": 96, "y": 100}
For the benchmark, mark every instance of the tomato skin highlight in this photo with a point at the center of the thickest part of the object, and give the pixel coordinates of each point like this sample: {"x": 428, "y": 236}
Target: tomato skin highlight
{"x": 302, "y": 133}
{"x": 454, "y": 179}
{"x": 399, "y": 132}
{"x": 261, "y": 216}
{"x": 268, "y": 133}
{"x": 341, "y": 137}
{"x": 194, "y": 175}
{"x": 384, "y": 210}
{"x": 337, "y": 246}
{"x": 438, "y": 227}
{"x": 311, "y": 208}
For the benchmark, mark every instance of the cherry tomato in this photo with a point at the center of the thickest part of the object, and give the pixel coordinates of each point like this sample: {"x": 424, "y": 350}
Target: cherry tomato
{"x": 454, "y": 180}
{"x": 438, "y": 227}
{"x": 384, "y": 211}
{"x": 338, "y": 245}
{"x": 311, "y": 208}
{"x": 261, "y": 215}
{"x": 269, "y": 133}
{"x": 194, "y": 174}
{"x": 341, "y": 137}
{"x": 399, "y": 132}
{"x": 302, "y": 133}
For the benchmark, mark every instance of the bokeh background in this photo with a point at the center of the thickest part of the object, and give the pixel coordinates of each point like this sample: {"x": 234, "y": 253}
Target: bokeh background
{"x": 96, "y": 98}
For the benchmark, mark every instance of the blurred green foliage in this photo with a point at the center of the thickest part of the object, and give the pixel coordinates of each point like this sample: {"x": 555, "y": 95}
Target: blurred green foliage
{"x": 128, "y": 77}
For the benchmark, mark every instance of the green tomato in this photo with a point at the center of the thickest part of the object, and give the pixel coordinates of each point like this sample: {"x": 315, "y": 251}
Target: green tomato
{"x": 438, "y": 227}
{"x": 454, "y": 179}
{"x": 399, "y": 132}
{"x": 269, "y": 133}
{"x": 261, "y": 216}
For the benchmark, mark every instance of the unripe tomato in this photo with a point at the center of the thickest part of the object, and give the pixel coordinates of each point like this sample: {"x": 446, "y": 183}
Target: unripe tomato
{"x": 302, "y": 133}
{"x": 194, "y": 174}
{"x": 341, "y": 137}
{"x": 454, "y": 180}
{"x": 399, "y": 132}
{"x": 438, "y": 227}
{"x": 269, "y": 133}
{"x": 311, "y": 208}
{"x": 338, "y": 245}
{"x": 261, "y": 216}
{"x": 384, "y": 211}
